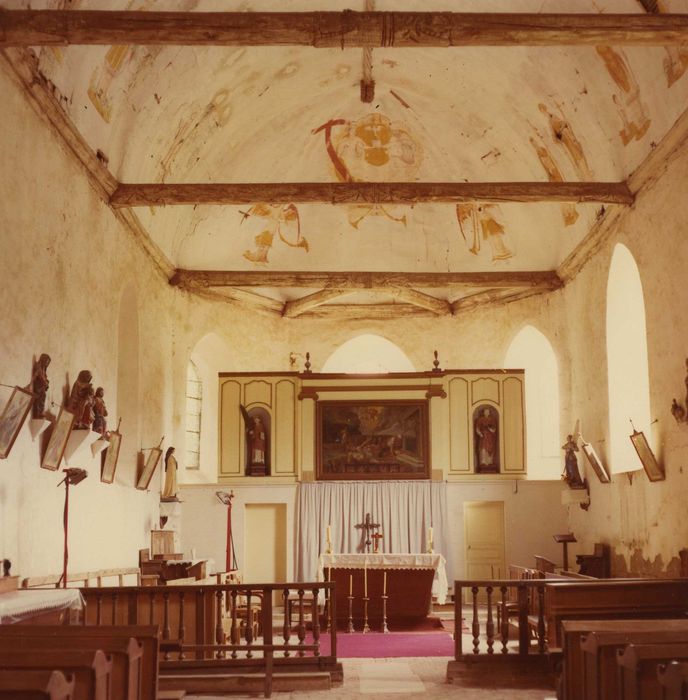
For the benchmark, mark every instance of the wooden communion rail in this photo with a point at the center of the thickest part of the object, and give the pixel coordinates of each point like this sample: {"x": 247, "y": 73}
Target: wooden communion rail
{"x": 225, "y": 629}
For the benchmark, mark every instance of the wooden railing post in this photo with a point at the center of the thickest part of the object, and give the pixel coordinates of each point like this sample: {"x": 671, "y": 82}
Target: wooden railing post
{"x": 458, "y": 621}
{"x": 267, "y": 639}
{"x": 315, "y": 620}
{"x": 332, "y": 612}
{"x": 541, "y": 618}
{"x": 489, "y": 625}
{"x": 523, "y": 640}
{"x": 504, "y": 631}
{"x": 475, "y": 626}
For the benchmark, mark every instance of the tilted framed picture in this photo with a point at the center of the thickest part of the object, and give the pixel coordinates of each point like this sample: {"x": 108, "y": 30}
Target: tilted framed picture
{"x": 653, "y": 469}
{"x": 595, "y": 462}
{"x": 110, "y": 457}
{"x": 13, "y": 417}
{"x": 148, "y": 468}
{"x": 372, "y": 440}
{"x": 62, "y": 429}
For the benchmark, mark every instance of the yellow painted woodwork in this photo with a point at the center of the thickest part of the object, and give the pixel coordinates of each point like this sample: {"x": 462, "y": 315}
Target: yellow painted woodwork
{"x": 284, "y": 428}
{"x": 484, "y": 539}
{"x": 257, "y": 391}
{"x": 513, "y": 426}
{"x": 485, "y": 389}
{"x": 459, "y": 429}
{"x": 231, "y": 430}
{"x": 265, "y": 543}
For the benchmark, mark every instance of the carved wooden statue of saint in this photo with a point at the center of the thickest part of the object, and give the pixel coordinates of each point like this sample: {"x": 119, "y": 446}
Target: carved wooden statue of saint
{"x": 571, "y": 474}
{"x": 486, "y": 435}
{"x": 81, "y": 400}
{"x": 257, "y": 449}
{"x": 99, "y": 412}
{"x": 169, "y": 490}
{"x": 39, "y": 385}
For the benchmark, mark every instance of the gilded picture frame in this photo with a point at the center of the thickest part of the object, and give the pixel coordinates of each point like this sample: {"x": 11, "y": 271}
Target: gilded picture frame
{"x": 148, "y": 469}
{"x": 372, "y": 440}
{"x": 653, "y": 469}
{"x": 59, "y": 436}
{"x": 13, "y": 417}
{"x": 110, "y": 457}
{"x": 595, "y": 462}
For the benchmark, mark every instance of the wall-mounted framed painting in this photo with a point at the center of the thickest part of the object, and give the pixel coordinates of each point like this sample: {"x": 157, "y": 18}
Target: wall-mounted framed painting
{"x": 62, "y": 429}
{"x": 372, "y": 440}
{"x": 653, "y": 469}
{"x": 110, "y": 457}
{"x": 149, "y": 468}
{"x": 13, "y": 417}
{"x": 595, "y": 462}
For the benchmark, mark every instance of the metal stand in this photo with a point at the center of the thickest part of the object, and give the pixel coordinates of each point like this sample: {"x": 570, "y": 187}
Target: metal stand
{"x": 366, "y": 627}
{"x": 385, "y": 629}
{"x": 350, "y": 626}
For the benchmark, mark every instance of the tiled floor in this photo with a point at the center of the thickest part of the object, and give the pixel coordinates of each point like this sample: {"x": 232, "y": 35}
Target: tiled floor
{"x": 400, "y": 678}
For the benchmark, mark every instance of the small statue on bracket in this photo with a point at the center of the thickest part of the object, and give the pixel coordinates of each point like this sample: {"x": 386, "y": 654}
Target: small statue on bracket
{"x": 677, "y": 410}
{"x": 39, "y": 386}
{"x": 571, "y": 474}
{"x": 81, "y": 400}
{"x": 99, "y": 412}
{"x": 169, "y": 491}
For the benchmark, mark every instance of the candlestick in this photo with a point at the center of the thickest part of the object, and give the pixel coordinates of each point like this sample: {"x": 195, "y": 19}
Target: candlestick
{"x": 350, "y": 626}
{"x": 384, "y": 583}
{"x": 430, "y": 539}
{"x": 328, "y": 537}
{"x": 385, "y": 629}
{"x": 366, "y": 626}
{"x": 351, "y": 584}
{"x": 365, "y": 580}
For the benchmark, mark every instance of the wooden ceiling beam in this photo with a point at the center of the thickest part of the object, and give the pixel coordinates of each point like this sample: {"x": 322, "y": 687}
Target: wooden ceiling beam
{"x": 340, "y": 30}
{"x": 493, "y": 297}
{"x": 197, "y": 279}
{"x": 299, "y": 306}
{"x": 150, "y": 195}
{"x": 367, "y": 312}
{"x": 440, "y": 307}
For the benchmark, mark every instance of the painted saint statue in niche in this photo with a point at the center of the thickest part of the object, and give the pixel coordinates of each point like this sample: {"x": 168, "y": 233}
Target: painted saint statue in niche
{"x": 372, "y": 149}
{"x": 486, "y": 439}
{"x": 482, "y": 224}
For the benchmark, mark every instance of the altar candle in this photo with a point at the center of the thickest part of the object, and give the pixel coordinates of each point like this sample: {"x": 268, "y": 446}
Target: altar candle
{"x": 384, "y": 583}
{"x": 365, "y": 580}
{"x": 329, "y": 535}
{"x": 430, "y": 536}
{"x": 351, "y": 584}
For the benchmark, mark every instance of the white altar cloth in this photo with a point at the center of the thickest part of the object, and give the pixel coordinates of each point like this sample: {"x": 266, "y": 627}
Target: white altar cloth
{"x": 16, "y": 605}
{"x": 390, "y": 561}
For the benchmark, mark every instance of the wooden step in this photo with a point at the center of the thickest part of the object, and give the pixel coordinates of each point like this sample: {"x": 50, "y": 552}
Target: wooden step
{"x": 171, "y": 694}
{"x": 245, "y": 683}
{"x": 501, "y": 671}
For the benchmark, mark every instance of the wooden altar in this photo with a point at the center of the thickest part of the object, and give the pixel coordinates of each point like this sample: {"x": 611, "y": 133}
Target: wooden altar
{"x": 409, "y": 586}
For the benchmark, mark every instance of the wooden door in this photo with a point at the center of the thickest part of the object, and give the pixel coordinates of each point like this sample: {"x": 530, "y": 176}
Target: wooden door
{"x": 265, "y": 543}
{"x": 484, "y": 538}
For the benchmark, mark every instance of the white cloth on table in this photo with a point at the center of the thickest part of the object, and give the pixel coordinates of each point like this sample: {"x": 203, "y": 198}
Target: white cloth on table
{"x": 17, "y": 605}
{"x": 384, "y": 560}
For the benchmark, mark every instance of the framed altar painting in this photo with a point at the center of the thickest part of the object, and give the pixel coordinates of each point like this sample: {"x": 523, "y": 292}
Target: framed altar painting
{"x": 110, "y": 457}
{"x": 148, "y": 468}
{"x": 595, "y": 462}
{"x": 13, "y": 418}
{"x": 653, "y": 469}
{"x": 59, "y": 437}
{"x": 372, "y": 440}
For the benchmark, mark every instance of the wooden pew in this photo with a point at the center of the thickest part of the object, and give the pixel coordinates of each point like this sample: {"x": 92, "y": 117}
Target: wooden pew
{"x": 31, "y": 685}
{"x": 611, "y": 599}
{"x": 105, "y": 638}
{"x": 91, "y": 670}
{"x": 575, "y": 675}
{"x": 125, "y": 654}
{"x": 600, "y": 669}
{"x": 639, "y": 664}
{"x": 673, "y": 677}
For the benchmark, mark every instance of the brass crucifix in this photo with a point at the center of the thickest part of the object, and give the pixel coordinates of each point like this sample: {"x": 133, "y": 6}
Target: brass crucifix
{"x": 366, "y": 526}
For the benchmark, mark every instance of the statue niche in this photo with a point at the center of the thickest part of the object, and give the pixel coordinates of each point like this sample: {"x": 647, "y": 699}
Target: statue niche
{"x": 486, "y": 439}
{"x": 257, "y": 451}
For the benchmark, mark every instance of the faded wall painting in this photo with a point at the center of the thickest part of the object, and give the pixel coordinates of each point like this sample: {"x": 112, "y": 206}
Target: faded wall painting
{"x": 281, "y": 220}
{"x": 486, "y": 439}
{"x": 372, "y": 440}
{"x": 372, "y": 149}
{"x": 479, "y": 223}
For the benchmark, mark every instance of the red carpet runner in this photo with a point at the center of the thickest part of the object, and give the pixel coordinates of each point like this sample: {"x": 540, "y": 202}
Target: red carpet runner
{"x": 386, "y": 646}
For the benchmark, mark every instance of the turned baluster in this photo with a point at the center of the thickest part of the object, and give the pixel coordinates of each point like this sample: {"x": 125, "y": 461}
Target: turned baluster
{"x": 505, "y": 621}
{"x": 114, "y": 608}
{"x": 166, "y": 621}
{"x": 475, "y": 627}
{"x": 182, "y": 626}
{"x": 541, "y": 619}
{"x": 249, "y": 625}
{"x": 489, "y": 626}
{"x": 302, "y": 624}
{"x": 219, "y": 632}
{"x": 151, "y": 613}
{"x": 233, "y": 632}
{"x": 99, "y": 609}
{"x": 286, "y": 632}
{"x": 315, "y": 617}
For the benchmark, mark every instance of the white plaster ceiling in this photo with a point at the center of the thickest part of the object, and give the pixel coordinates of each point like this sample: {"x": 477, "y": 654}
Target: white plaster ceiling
{"x": 236, "y": 114}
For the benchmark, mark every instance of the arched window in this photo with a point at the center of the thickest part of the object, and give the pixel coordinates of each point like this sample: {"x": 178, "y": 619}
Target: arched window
{"x": 530, "y": 350}
{"x": 194, "y": 401}
{"x": 368, "y": 354}
{"x": 627, "y": 367}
